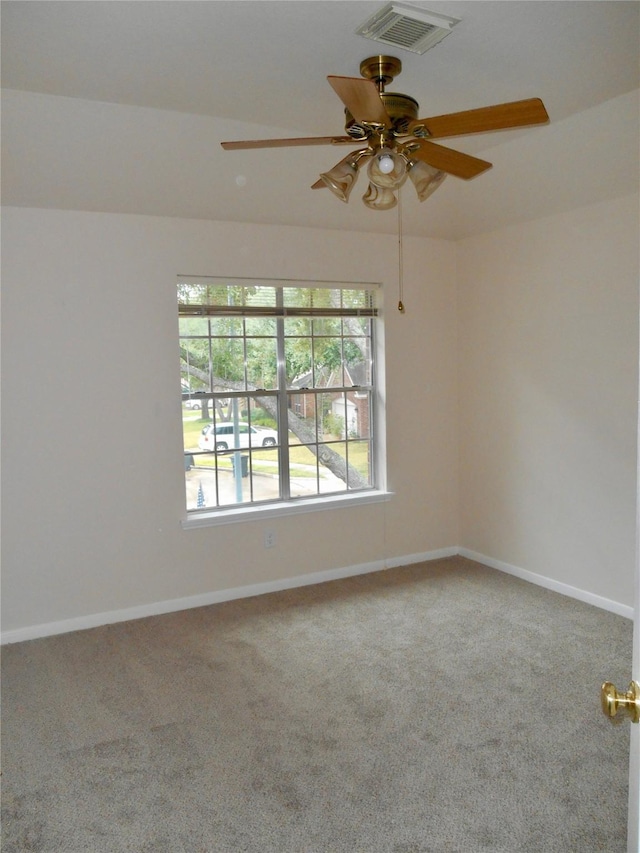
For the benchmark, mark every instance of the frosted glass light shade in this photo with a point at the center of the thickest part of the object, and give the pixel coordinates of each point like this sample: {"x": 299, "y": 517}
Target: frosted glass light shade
{"x": 425, "y": 178}
{"x": 387, "y": 169}
{"x": 341, "y": 178}
{"x": 379, "y": 198}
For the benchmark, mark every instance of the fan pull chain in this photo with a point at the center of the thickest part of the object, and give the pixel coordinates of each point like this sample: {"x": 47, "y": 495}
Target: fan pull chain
{"x": 400, "y": 259}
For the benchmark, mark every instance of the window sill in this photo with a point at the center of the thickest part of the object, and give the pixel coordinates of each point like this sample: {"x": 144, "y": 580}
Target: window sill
{"x": 284, "y": 508}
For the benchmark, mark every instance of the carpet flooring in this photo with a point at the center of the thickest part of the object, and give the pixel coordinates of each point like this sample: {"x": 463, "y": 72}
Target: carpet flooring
{"x": 442, "y": 707}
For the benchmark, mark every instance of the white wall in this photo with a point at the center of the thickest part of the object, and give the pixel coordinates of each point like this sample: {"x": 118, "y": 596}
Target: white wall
{"x": 548, "y": 396}
{"x": 538, "y": 320}
{"x": 93, "y": 480}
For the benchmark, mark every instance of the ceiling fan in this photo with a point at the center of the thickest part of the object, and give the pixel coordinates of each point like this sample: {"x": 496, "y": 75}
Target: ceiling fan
{"x": 398, "y": 143}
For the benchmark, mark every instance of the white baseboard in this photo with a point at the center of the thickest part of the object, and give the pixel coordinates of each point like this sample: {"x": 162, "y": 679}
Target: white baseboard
{"x": 95, "y": 620}
{"x": 424, "y": 557}
{"x": 81, "y": 623}
{"x": 549, "y": 583}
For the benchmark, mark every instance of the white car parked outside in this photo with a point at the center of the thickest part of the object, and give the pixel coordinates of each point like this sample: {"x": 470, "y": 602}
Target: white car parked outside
{"x": 248, "y": 436}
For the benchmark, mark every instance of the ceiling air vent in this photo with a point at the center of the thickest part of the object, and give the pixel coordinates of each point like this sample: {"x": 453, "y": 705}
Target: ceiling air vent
{"x": 407, "y": 27}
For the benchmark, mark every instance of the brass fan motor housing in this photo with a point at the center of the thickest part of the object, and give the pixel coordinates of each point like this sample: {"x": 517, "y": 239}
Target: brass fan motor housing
{"x": 402, "y": 109}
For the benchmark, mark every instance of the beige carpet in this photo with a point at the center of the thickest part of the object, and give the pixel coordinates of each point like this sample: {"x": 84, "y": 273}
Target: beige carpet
{"x": 434, "y": 708}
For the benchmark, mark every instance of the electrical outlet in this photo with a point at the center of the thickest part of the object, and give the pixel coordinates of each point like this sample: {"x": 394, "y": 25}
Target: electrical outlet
{"x": 269, "y": 539}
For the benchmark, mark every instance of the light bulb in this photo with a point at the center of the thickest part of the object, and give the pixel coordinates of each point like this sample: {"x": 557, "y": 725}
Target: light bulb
{"x": 385, "y": 164}
{"x": 388, "y": 169}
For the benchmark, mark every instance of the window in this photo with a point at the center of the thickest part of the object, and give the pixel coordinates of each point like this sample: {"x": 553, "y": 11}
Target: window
{"x": 278, "y": 391}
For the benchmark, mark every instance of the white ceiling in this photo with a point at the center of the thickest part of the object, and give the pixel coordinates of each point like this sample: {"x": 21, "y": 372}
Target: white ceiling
{"x": 121, "y": 107}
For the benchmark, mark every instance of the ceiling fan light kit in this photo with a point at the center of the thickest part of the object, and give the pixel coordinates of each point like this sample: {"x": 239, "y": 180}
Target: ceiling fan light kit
{"x": 398, "y": 143}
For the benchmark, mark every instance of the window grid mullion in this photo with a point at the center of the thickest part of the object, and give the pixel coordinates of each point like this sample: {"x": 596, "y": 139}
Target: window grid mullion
{"x": 244, "y": 352}
{"x": 210, "y": 354}
{"x": 283, "y": 412}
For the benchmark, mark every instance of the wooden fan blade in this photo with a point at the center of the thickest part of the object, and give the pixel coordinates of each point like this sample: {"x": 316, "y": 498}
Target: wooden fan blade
{"x": 498, "y": 117}
{"x": 449, "y": 161}
{"x": 286, "y": 143}
{"x": 361, "y": 98}
{"x": 319, "y": 185}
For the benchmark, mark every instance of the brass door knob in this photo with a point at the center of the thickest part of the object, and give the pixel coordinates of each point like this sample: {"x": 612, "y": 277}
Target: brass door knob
{"x": 614, "y": 701}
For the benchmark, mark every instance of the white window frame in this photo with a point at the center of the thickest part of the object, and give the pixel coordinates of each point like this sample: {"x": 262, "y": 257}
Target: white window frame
{"x": 374, "y": 493}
